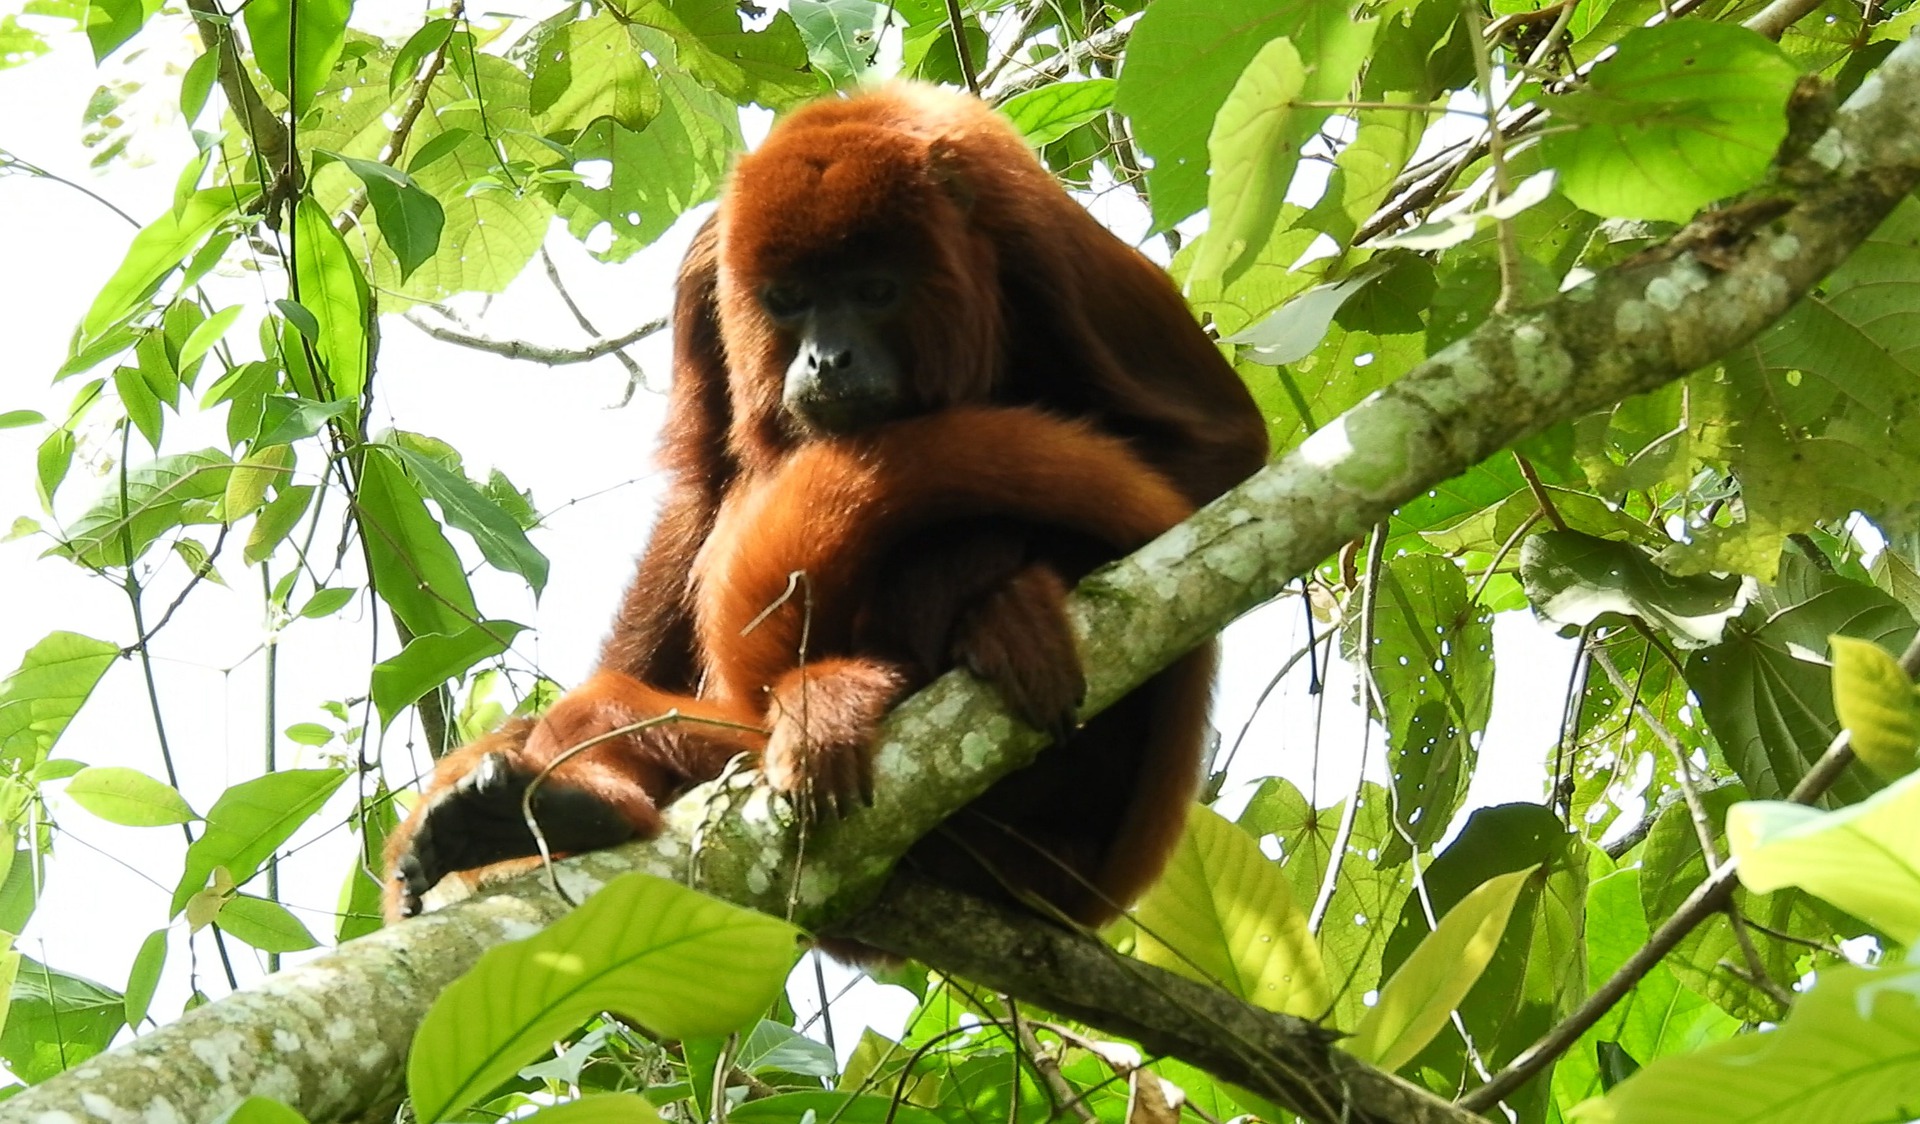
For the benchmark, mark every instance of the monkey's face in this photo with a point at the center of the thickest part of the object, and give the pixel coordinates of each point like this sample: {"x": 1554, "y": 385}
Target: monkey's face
{"x": 843, "y": 325}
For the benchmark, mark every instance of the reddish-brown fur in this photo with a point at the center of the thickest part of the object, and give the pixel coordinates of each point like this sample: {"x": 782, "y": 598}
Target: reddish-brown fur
{"x": 950, "y": 543}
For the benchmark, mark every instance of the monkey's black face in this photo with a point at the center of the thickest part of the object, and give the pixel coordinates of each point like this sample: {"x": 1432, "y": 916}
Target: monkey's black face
{"x": 846, "y": 373}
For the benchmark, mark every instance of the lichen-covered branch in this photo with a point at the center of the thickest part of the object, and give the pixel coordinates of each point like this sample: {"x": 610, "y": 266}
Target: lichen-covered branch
{"x": 328, "y": 1037}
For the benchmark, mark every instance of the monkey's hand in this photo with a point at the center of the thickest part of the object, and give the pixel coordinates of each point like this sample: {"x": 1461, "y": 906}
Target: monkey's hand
{"x": 1017, "y": 638}
{"x": 820, "y": 754}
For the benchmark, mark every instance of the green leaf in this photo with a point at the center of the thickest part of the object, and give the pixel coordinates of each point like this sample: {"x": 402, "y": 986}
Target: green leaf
{"x": 319, "y": 37}
{"x": 45, "y": 692}
{"x": 414, "y": 52}
{"x": 604, "y": 1108}
{"x": 681, "y": 964}
{"x": 410, "y": 219}
{"x": 495, "y": 532}
{"x": 844, "y": 1108}
{"x": 1433, "y": 665}
{"x": 708, "y": 41}
{"x": 842, "y": 36}
{"x": 128, "y": 797}
{"x": 156, "y": 252}
{"x": 111, "y": 23}
{"x": 584, "y": 70}
{"x": 1874, "y": 700}
{"x": 659, "y": 173}
{"x": 1686, "y": 113}
{"x": 15, "y": 419}
{"x": 433, "y": 150}
{"x": 276, "y": 521}
{"x": 326, "y": 602}
{"x": 1417, "y": 1002}
{"x": 1257, "y": 136}
{"x": 1534, "y": 977}
{"x": 332, "y": 288}
{"x": 264, "y": 924}
{"x": 56, "y": 1021}
{"x": 1864, "y": 858}
{"x": 206, "y": 333}
{"x": 1572, "y": 578}
{"x": 1183, "y": 60}
{"x": 415, "y": 568}
{"x": 197, "y": 83}
{"x": 247, "y": 485}
{"x": 1052, "y": 111}
{"x": 262, "y": 1110}
{"x": 145, "y": 976}
{"x": 1850, "y": 1051}
{"x": 1765, "y": 693}
{"x": 429, "y": 661}
{"x": 1223, "y": 913}
{"x": 308, "y": 733}
{"x": 169, "y": 492}
{"x": 249, "y": 821}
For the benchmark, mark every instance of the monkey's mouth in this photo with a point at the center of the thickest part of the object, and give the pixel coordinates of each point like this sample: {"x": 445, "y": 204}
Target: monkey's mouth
{"x": 843, "y": 415}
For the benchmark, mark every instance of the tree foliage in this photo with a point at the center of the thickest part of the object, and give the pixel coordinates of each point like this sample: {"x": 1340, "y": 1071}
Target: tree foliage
{"x": 1734, "y": 557}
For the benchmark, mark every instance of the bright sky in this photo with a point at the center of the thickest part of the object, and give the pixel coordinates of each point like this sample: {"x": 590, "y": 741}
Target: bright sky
{"x": 554, "y": 431}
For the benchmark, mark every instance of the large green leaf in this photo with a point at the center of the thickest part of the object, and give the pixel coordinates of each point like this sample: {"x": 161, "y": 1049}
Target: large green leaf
{"x": 584, "y": 70}
{"x": 1056, "y": 109}
{"x": 602, "y": 1108}
{"x": 128, "y": 797}
{"x": 1672, "y": 867}
{"x": 414, "y": 567}
{"x": 249, "y": 821}
{"x": 1276, "y": 105}
{"x": 1820, "y": 415}
{"x": 1864, "y": 858}
{"x": 1537, "y": 972}
{"x": 1686, "y": 113}
{"x": 264, "y": 924}
{"x": 331, "y": 287}
{"x": 495, "y": 531}
{"x": 678, "y": 962}
{"x": 1181, "y": 63}
{"x": 1849, "y": 1052}
{"x": 1224, "y": 914}
{"x": 658, "y": 173}
{"x": 1416, "y": 1003}
{"x": 56, "y": 1021}
{"x": 1369, "y": 890}
{"x": 156, "y": 252}
{"x": 786, "y": 1108}
{"x": 145, "y": 976}
{"x": 45, "y": 692}
{"x": 296, "y": 42}
{"x": 768, "y": 66}
{"x": 171, "y": 491}
{"x": 1874, "y": 700}
{"x": 842, "y": 36}
{"x": 1656, "y": 1018}
{"x": 410, "y": 219}
{"x": 430, "y": 660}
{"x": 1572, "y": 578}
{"x": 1432, "y": 662}
{"x": 1765, "y": 691}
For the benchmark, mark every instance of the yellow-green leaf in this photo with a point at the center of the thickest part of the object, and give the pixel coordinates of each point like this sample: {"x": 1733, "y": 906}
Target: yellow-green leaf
{"x": 1864, "y": 858}
{"x": 128, "y": 797}
{"x": 1873, "y": 698}
{"x": 1415, "y": 1004}
{"x": 248, "y": 482}
{"x": 682, "y": 964}
{"x": 1223, "y": 913}
{"x": 606, "y": 1108}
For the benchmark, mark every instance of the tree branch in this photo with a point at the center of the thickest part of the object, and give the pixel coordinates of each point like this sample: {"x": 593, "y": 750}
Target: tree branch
{"x": 533, "y": 352}
{"x": 328, "y": 1037}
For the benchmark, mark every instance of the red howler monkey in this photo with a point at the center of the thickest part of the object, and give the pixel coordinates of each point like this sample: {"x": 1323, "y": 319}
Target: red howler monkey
{"x": 893, "y": 273}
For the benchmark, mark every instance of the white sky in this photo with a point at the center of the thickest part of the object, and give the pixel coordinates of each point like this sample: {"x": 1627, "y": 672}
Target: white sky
{"x": 550, "y": 430}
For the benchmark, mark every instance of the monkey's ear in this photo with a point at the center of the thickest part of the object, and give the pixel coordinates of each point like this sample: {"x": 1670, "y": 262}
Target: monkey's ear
{"x": 947, "y": 166}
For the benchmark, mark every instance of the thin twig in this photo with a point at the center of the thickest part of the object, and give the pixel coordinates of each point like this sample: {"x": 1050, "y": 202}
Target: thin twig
{"x": 533, "y": 352}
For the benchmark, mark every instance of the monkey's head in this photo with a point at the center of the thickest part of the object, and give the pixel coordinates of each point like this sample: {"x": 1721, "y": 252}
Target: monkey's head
{"x": 854, "y": 284}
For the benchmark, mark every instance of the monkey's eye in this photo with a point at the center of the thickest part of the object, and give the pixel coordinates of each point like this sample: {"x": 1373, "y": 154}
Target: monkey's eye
{"x": 876, "y": 292}
{"x": 783, "y": 299}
